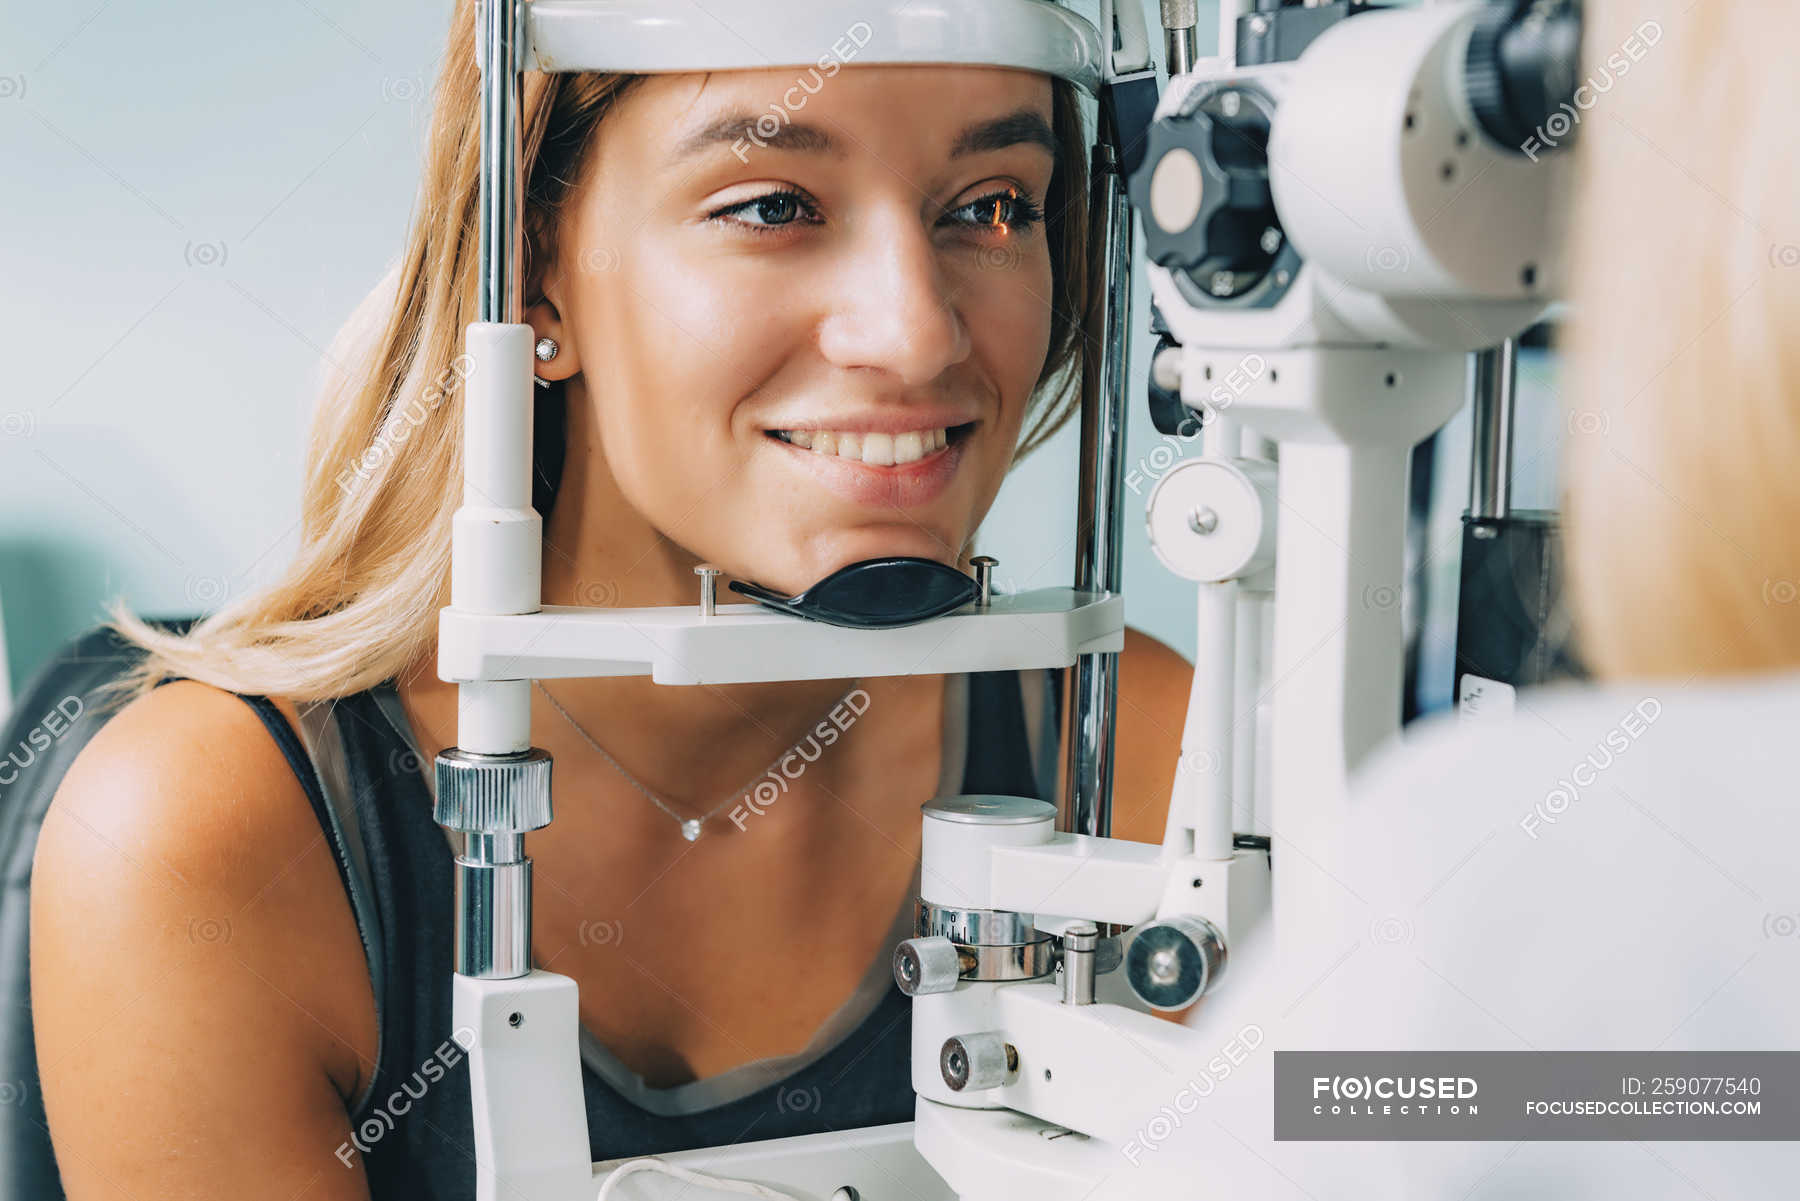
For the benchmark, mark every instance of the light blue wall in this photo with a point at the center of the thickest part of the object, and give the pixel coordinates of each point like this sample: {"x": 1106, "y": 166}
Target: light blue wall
{"x": 196, "y": 195}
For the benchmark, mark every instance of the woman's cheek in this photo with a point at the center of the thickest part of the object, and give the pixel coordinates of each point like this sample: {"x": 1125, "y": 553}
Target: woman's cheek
{"x": 1017, "y": 303}
{"x": 652, "y": 458}
{"x": 1023, "y": 347}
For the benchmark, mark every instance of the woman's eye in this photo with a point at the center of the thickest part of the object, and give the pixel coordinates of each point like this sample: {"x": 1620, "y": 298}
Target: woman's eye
{"x": 1002, "y": 211}
{"x": 771, "y": 210}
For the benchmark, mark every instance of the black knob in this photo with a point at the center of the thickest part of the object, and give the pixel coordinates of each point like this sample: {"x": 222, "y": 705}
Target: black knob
{"x": 1521, "y": 66}
{"x": 1167, "y": 413}
{"x": 1203, "y": 190}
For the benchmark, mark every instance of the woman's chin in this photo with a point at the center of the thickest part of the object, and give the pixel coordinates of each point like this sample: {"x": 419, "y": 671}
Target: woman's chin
{"x": 858, "y": 546}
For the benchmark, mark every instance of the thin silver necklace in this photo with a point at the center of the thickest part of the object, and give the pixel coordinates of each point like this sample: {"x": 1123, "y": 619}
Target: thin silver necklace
{"x": 690, "y": 826}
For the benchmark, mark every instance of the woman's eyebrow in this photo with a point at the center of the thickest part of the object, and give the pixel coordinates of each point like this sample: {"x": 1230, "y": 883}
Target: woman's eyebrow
{"x": 1023, "y": 126}
{"x": 740, "y": 128}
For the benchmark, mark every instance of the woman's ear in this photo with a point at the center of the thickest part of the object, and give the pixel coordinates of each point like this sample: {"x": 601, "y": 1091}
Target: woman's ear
{"x": 545, "y": 319}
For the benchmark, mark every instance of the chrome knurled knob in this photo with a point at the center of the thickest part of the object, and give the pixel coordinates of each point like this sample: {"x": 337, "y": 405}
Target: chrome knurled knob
{"x": 492, "y": 794}
{"x": 923, "y": 966}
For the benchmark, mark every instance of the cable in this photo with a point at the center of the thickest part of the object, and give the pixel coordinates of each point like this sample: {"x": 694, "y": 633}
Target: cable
{"x": 724, "y": 1184}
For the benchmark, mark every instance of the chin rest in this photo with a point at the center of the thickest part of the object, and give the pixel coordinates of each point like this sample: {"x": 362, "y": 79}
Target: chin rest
{"x": 874, "y": 594}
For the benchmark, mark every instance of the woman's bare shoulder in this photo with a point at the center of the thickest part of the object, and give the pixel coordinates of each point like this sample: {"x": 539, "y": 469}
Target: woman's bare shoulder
{"x": 193, "y": 951}
{"x": 1154, "y": 681}
{"x": 184, "y": 792}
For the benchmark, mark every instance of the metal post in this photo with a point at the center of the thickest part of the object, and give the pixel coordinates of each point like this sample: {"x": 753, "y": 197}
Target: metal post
{"x": 1493, "y": 397}
{"x": 984, "y": 579}
{"x": 1179, "y": 19}
{"x": 1087, "y": 799}
{"x": 489, "y": 795}
{"x": 499, "y": 29}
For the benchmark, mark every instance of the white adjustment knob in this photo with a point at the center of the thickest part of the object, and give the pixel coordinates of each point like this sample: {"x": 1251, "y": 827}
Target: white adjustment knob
{"x": 1214, "y": 519}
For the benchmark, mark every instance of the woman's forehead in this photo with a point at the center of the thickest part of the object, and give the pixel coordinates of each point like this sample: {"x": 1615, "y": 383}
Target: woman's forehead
{"x": 898, "y": 96}
{"x": 918, "y": 121}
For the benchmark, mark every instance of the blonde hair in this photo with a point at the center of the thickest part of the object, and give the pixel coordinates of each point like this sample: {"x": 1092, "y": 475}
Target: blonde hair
{"x": 1683, "y": 463}
{"x": 359, "y": 602}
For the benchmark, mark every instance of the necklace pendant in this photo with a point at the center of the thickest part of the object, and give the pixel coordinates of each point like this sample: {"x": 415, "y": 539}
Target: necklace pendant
{"x": 690, "y": 829}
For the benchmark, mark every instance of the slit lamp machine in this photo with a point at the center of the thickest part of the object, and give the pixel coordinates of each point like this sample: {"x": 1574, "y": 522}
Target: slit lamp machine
{"x": 1338, "y": 214}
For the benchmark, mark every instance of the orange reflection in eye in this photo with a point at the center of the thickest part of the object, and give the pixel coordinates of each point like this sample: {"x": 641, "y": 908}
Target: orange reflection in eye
{"x": 999, "y": 222}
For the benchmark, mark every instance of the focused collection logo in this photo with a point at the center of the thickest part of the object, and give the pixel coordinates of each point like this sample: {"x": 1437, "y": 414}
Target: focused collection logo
{"x": 1395, "y": 1096}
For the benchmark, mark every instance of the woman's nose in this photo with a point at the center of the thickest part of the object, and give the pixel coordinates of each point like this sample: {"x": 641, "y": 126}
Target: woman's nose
{"x": 894, "y": 308}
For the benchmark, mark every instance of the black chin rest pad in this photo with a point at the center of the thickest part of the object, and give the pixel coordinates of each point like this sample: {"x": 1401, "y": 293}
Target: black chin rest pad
{"x": 874, "y": 594}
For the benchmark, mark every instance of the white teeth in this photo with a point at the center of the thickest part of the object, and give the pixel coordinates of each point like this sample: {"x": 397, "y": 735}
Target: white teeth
{"x": 880, "y": 450}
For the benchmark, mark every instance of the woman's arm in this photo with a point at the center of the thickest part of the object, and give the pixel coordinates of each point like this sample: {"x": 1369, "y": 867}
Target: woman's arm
{"x": 200, "y": 996}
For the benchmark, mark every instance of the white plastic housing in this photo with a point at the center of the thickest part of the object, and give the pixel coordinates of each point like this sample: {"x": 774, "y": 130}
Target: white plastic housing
{"x": 690, "y": 35}
{"x": 874, "y": 1160}
{"x": 1426, "y": 207}
{"x": 496, "y": 557}
{"x": 530, "y": 1119}
{"x": 960, "y": 834}
{"x": 1395, "y": 251}
{"x": 673, "y": 644}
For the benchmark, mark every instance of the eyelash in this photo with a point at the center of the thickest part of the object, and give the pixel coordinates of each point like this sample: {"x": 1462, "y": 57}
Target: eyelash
{"x": 1025, "y": 212}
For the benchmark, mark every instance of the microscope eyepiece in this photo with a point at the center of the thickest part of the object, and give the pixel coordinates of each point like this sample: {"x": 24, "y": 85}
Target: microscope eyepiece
{"x": 1521, "y": 66}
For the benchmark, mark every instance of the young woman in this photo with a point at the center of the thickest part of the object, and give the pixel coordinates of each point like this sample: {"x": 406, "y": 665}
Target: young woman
{"x": 780, "y": 356}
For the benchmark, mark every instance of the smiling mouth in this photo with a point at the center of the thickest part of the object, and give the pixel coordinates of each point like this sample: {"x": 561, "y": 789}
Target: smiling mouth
{"x": 873, "y": 449}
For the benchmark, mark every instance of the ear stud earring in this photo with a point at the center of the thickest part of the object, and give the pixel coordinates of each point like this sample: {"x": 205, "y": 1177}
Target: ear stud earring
{"x": 545, "y": 350}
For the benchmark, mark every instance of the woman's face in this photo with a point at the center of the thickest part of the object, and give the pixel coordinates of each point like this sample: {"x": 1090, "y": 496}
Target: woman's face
{"x": 810, "y": 341}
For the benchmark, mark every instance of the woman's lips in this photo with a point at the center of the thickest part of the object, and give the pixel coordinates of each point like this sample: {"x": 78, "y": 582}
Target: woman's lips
{"x": 901, "y": 486}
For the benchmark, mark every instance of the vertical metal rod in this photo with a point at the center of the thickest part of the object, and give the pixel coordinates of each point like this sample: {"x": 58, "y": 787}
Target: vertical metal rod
{"x": 1081, "y": 944}
{"x": 493, "y": 875}
{"x": 493, "y": 901}
{"x": 1179, "y": 19}
{"x": 1087, "y": 805}
{"x": 1492, "y": 399}
{"x": 499, "y": 40}
{"x": 984, "y": 579}
{"x": 709, "y": 589}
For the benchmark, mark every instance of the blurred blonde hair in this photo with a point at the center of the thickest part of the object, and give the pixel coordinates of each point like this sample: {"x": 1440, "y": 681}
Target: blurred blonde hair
{"x": 359, "y": 602}
{"x": 1683, "y": 466}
